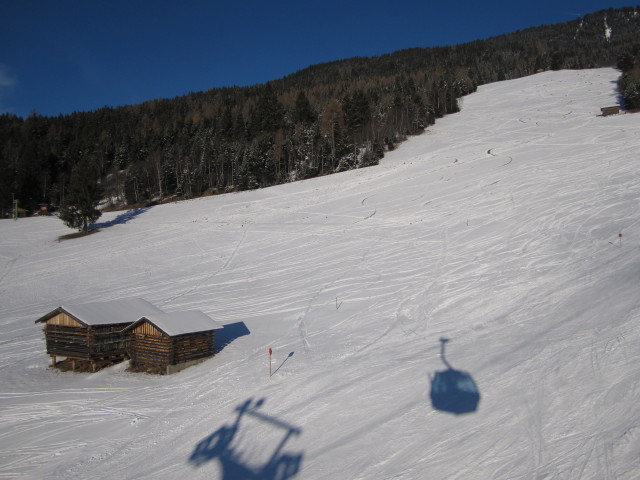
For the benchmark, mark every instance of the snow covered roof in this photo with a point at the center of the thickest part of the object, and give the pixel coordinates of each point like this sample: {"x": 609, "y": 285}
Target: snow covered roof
{"x": 106, "y": 313}
{"x": 179, "y": 323}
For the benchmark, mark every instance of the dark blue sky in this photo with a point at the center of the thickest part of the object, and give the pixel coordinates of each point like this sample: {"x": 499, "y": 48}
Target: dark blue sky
{"x": 63, "y": 56}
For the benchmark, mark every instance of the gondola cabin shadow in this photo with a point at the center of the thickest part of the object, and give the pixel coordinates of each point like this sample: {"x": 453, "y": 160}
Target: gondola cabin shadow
{"x": 453, "y": 391}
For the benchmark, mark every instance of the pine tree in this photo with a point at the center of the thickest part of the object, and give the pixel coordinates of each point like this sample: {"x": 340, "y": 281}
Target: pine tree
{"x": 303, "y": 112}
{"x": 268, "y": 115}
{"x": 79, "y": 209}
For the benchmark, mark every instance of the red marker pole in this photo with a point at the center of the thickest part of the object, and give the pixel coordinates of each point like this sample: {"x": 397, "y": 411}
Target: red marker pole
{"x": 270, "y": 353}
{"x": 620, "y": 238}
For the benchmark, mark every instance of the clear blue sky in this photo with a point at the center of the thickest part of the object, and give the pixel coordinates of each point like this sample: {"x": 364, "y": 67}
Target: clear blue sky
{"x": 76, "y": 55}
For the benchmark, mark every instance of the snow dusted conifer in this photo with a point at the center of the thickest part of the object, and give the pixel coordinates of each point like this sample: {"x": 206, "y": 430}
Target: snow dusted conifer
{"x": 80, "y": 206}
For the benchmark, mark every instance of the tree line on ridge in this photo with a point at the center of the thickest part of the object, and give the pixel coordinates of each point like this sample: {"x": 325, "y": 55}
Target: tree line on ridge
{"x": 324, "y": 119}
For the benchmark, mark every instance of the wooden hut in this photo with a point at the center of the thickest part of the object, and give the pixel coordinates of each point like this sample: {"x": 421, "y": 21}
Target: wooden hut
{"x": 91, "y": 335}
{"x": 613, "y": 110}
{"x": 169, "y": 342}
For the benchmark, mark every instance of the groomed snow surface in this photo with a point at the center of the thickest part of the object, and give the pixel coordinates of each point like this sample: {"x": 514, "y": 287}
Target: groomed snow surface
{"x": 498, "y": 229}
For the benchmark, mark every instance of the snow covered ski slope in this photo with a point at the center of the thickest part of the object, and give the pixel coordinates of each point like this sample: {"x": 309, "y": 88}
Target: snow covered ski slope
{"x": 498, "y": 230}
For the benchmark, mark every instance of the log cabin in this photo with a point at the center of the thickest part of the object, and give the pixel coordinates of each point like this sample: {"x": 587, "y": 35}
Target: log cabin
{"x": 90, "y": 336}
{"x": 613, "y": 110}
{"x": 166, "y": 343}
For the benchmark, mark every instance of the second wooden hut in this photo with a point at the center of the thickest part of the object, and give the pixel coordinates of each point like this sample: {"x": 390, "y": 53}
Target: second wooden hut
{"x": 169, "y": 342}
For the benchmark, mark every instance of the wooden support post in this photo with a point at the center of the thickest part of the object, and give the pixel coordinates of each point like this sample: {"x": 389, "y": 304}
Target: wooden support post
{"x": 53, "y": 360}
{"x": 73, "y": 364}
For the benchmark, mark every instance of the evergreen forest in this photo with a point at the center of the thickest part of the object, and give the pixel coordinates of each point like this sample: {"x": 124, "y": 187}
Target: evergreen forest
{"x": 324, "y": 119}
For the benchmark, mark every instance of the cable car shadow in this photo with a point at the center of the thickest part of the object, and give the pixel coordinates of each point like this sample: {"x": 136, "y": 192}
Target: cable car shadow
{"x": 224, "y": 445}
{"x": 453, "y": 391}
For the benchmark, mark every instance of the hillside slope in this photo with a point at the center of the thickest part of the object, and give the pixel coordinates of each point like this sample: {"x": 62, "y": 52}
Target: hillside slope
{"x": 497, "y": 229}
{"x": 324, "y": 119}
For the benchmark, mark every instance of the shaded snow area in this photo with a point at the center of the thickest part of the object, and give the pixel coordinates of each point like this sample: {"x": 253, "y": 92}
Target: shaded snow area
{"x": 466, "y": 309}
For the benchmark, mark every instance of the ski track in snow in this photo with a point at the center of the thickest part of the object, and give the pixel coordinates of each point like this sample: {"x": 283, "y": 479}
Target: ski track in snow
{"x": 497, "y": 229}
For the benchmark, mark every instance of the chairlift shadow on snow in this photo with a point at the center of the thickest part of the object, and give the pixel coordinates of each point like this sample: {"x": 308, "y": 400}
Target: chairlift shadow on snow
{"x": 124, "y": 217}
{"x": 238, "y": 463}
{"x": 452, "y": 390}
{"x": 229, "y": 333}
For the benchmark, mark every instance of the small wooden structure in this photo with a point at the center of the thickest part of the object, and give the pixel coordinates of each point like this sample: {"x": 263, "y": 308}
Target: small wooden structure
{"x": 12, "y": 212}
{"x": 613, "y": 110}
{"x": 91, "y": 335}
{"x": 169, "y": 342}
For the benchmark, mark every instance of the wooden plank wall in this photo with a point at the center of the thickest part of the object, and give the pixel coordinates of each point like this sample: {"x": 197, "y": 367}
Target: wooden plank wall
{"x": 67, "y": 341}
{"x": 82, "y": 342}
{"x": 145, "y": 328}
{"x": 108, "y": 340}
{"x": 192, "y": 347}
{"x": 150, "y": 349}
{"x": 64, "y": 320}
{"x": 164, "y": 350}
